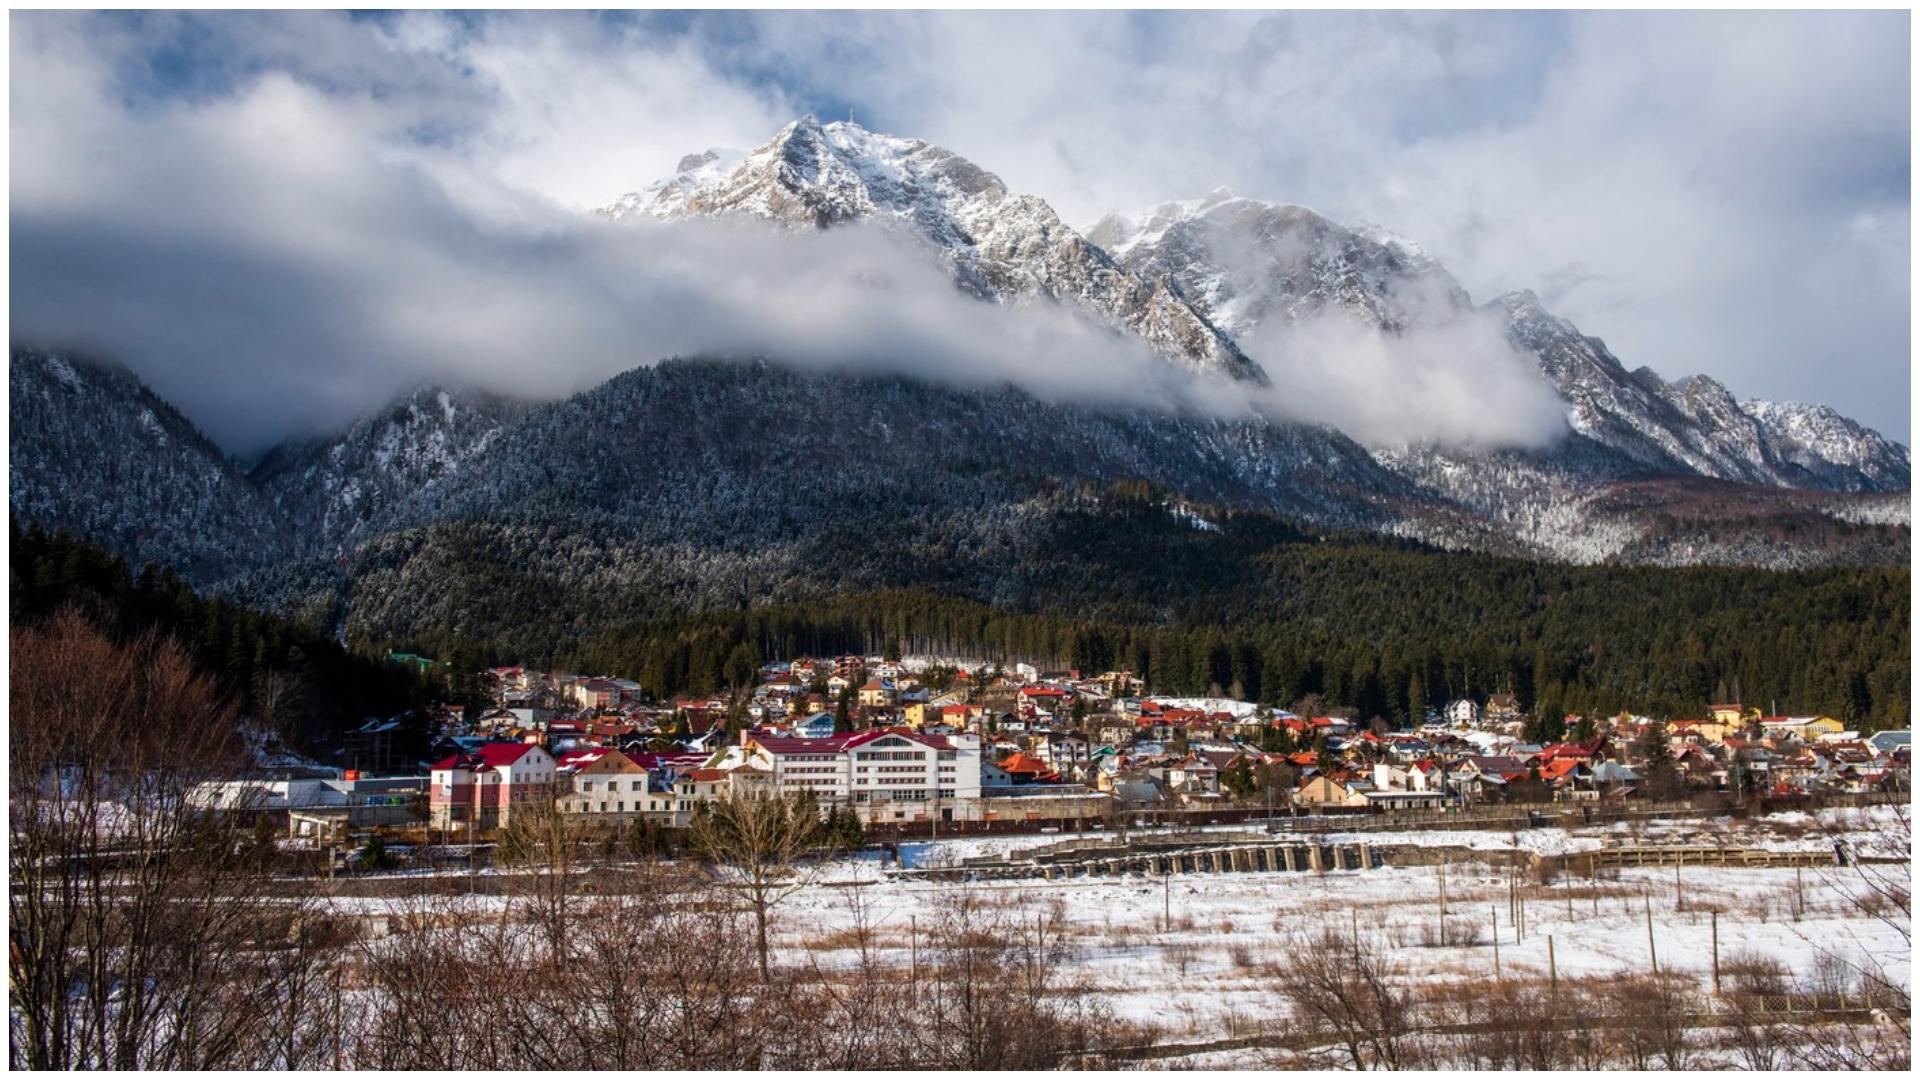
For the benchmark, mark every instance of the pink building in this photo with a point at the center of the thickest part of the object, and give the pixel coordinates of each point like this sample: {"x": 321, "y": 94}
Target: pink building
{"x": 494, "y": 778}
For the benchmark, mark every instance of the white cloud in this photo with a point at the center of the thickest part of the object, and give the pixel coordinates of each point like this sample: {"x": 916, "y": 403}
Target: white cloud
{"x": 1682, "y": 185}
{"x": 349, "y": 203}
{"x": 1451, "y": 378}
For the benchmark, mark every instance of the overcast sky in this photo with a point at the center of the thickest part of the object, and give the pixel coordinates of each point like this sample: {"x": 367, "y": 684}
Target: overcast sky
{"x": 280, "y": 220}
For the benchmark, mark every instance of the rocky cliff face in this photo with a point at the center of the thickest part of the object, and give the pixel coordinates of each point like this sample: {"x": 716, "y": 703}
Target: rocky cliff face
{"x": 1245, "y": 263}
{"x": 1001, "y": 246}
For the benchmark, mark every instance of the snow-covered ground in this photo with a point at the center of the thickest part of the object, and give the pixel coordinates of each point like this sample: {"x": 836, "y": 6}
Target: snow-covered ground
{"x": 1200, "y": 975}
{"x": 1203, "y": 971}
{"x": 1210, "y": 705}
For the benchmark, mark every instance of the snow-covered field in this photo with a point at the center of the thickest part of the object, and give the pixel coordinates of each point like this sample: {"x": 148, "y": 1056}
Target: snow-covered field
{"x": 1203, "y": 971}
{"x": 1200, "y": 975}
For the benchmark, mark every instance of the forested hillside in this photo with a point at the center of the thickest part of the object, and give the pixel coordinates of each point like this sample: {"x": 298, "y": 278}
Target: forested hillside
{"x": 1195, "y": 599}
{"x": 289, "y": 679}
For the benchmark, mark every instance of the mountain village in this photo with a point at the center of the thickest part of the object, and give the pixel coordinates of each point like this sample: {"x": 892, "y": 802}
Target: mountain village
{"x": 915, "y": 748}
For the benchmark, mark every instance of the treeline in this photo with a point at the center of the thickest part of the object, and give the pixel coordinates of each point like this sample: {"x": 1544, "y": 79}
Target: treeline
{"x": 1387, "y": 632}
{"x": 292, "y": 679}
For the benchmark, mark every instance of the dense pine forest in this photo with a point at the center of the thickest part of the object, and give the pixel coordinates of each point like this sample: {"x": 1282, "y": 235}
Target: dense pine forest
{"x": 1251, "y": 606}
{"x": 299, "y": 683}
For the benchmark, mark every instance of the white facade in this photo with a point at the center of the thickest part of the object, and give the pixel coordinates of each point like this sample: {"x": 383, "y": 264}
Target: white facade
{"x": 883, "y": 776}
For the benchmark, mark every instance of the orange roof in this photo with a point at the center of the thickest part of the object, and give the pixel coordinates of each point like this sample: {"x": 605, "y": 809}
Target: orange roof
{"x": 1020, "y": 762}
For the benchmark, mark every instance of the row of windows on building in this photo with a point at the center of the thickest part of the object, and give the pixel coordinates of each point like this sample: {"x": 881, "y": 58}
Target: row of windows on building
{"x": 620, "y": 806}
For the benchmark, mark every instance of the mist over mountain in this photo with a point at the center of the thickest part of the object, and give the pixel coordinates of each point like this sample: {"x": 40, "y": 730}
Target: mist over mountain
{"x": 899, "y": 373}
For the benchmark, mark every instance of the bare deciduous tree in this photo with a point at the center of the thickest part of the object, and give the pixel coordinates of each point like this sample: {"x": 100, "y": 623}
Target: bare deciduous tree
{"x": 764, "y": 841}
{"x": 1344, "y": 988}
{"x": 141, "y": 935}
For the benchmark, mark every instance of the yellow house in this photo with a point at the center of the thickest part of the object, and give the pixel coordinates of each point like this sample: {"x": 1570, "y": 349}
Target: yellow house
{"x": 1713, "y": 731}
{"x": 920, "y": 715}
{"x": 876, "y": 695}
{"x": 1807, "y": 728}
{"x": 1732, "y": 715}
{"x": 1325, "y": 791}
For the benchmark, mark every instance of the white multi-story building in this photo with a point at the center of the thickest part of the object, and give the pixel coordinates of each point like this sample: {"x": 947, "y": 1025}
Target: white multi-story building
{"x": 486, "y": 783}
{"x": 885, "y": 776}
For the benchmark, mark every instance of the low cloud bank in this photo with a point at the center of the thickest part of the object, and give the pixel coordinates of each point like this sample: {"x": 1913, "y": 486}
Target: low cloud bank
{"x": 1451, "y": 378}
{"x": 273, "y": 265}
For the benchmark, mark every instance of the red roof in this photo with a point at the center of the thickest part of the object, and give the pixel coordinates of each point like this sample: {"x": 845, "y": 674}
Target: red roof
{"x": 1557, "y": 768}
{"x": 837, "y": 744}
{"x": 1565, "y": 750}
{"x": 486, "y": 756}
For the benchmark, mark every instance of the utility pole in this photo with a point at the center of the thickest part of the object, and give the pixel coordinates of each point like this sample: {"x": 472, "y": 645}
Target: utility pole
{"x": 1716, "y": 950}
{"x": 1495, "y": 912}
{"x": 1553, "y": 978}
{"x": 1653, "y": 955}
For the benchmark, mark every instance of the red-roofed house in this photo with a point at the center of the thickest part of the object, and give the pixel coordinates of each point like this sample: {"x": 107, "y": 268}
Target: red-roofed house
{"x": 605, "y": 784}
{"x": 890, "y": 774}
{"x": 1023, "y": 768}
{"x": 485, "y": 784}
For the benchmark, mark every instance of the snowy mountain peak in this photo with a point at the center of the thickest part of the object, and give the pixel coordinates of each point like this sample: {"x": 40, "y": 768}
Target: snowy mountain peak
{"x": 1243, "y": 261}
{"x": 1834, "y": 450}
{"x": 999, "y": 245}
{"x": 1193, "y": 277}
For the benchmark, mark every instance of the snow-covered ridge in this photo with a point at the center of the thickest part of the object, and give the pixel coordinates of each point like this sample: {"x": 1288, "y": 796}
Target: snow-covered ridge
{"x": 1817, "y": 436}
{"x": 999, "y": 245}
{"x": 1196, "y": 277}
{"x": 1243, "y": 262}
